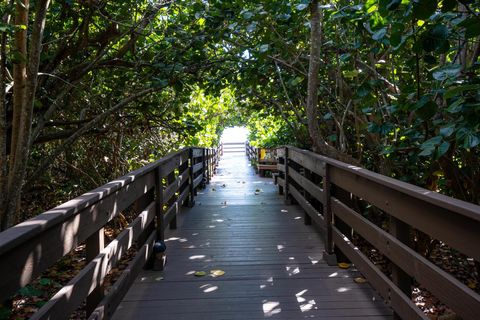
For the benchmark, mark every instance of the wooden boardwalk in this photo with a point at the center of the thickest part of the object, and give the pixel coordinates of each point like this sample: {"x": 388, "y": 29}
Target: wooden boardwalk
{"x": 273, "y": 262}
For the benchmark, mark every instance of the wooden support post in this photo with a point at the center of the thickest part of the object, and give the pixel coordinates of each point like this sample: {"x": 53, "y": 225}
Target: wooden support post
{"x": 402, "y": 280}
{"x": 286, "y": 194}
{"x": 329, "y": 254}
{"x": 170, "y": 179}
{"x": 94, "y": 244}
{"x": 159, "y": 259}
{"x": 191, "y": 194}
{"x": 204, "y": 169}
{"x": 138, "y": 206}
{"x": 209, "y": 162}
{"x": 281, "y": 160}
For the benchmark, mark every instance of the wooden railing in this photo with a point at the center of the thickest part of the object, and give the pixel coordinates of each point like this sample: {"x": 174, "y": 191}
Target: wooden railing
{"x": 331, "y": 194}
{"x": 257, "y": 157}
{"x": 155, "y": 192}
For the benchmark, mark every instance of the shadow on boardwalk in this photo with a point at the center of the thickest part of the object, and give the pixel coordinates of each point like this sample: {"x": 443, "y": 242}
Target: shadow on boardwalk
{"x": 273, "y": 262}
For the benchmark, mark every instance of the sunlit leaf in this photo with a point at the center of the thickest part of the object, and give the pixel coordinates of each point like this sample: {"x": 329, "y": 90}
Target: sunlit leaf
{"x": 343, "y": 265}
{"x": 217, "y": 273}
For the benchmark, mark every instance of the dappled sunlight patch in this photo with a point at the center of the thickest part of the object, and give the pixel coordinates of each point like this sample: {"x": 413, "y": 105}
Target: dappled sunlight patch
{"x": 307, "y": 306}
{"x": 333, "y": 275}
{"x": 284, "y": 210}
{"x": 271, "y": 308}
{"x": 207, "y": 288}
{"x": 197, "y": 257}
{"x": 280, "y": 247}
{"x": 342, "y": 289}
{"x": 292, "y": 270}
{"x": 313, "y": 260}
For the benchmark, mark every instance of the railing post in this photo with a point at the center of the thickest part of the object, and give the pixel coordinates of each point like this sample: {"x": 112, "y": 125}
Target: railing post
{"x": 204, "y": 168}
{"x": 159, "y": 257}
{"x": 138, "y": 206}
{"x": 209, "y": 164}
{"x": 402, "y": 280}
{"x": 94, "y": 244}
{"x": 286, "y": 195}
{"x": 171, "y": 179}
{"x": 191, "y": 194}
{"x": 329, "y": 255}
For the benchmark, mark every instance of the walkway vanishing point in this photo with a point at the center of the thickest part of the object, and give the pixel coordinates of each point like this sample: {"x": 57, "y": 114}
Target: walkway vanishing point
{"x": 272, "y": 261}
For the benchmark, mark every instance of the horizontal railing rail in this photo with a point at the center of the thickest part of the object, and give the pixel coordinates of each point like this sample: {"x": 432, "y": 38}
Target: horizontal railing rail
{"x": 326, "y": 190}
{"x": 155, "y": 192}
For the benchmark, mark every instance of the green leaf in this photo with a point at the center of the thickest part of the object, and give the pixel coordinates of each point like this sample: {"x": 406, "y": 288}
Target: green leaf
{"x": 45, "y": 282}
{"x": 327, "y": 116}
{"x": 456, "y": 106}
{"x": 452, "y": 92}
{"x": 264, "y": 48}
{"x": 448, "y": 71}
{"x": 471, "y": 140}
{"x": 380, "y": 34}
{"x": 447, "y": 131}
{"x": 423, "y": 9}
{"x": 30, "y": 291}
{"x": 428, "y": 147}
{"x": 301, "y": 6}
{"x": 247, "y": 15}
{"x": 442, "y": 149}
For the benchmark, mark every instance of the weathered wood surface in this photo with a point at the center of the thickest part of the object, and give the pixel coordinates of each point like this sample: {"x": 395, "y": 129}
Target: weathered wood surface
{"x": 272, "y": 261}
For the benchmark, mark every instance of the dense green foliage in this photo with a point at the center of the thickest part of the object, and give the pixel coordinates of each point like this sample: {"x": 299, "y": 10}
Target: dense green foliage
{"x": 399, "y": 85}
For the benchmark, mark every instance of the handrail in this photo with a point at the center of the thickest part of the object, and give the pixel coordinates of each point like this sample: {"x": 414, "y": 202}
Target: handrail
{"x": 326, "y": 189}
{"x": 155, "y": 192}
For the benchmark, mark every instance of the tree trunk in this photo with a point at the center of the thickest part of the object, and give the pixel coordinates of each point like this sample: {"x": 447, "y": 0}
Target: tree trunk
{"x": 313, "y": 69}
{"x": 319, "y": 143}
{"x": 25, "y": 74}
{"x": 3, "y": 121}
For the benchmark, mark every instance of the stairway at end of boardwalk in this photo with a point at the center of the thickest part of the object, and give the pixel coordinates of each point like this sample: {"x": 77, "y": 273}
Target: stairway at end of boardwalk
{"x": 272, "y": 261}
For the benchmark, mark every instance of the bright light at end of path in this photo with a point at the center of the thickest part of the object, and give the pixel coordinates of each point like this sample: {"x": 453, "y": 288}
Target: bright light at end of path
{"x": 235, "y": 134}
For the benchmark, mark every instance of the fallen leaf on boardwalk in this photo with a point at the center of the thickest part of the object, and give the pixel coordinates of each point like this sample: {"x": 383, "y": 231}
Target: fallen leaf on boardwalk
{"x": 200, "y": 273}
{"x": 360, "y": 280}
{"x": 217, "y": 273}
{"x": 472, "y": 285}
{"x": 213, "y": 189}
{"x": 344, "y": 265}
{"x": 224, "y": 185}
{"x": 257, "y": 190}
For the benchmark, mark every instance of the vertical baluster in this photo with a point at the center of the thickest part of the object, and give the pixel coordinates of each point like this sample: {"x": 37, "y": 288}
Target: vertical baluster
{"x": 159, "y": 248}
{"x": 94, "y": 244}
{"x": 191, "y": 196}
{"x": 329, "y": 255}
{"x": 402, "y": 280}
{"x": 286, "y": 195}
